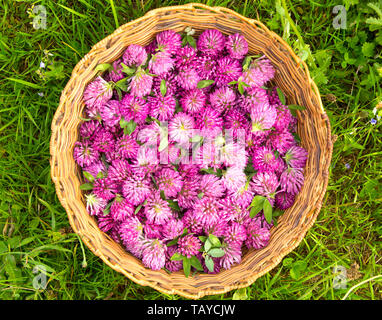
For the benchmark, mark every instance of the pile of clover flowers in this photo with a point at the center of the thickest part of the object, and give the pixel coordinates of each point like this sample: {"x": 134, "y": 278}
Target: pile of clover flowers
{"x": 187, "y": 151}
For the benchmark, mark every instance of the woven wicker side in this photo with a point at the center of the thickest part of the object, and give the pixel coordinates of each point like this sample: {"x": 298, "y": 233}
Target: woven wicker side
{"x": 292, "y": 77}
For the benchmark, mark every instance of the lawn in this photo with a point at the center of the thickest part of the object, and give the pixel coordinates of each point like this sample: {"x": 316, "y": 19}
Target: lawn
{"x": 344, "y": 57}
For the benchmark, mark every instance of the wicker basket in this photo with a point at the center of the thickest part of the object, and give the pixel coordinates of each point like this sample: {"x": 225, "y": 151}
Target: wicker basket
{"x": 292, "y": 76}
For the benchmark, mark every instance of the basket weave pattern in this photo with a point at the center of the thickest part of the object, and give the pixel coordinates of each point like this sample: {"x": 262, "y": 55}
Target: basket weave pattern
{"x": 292, "y": 76}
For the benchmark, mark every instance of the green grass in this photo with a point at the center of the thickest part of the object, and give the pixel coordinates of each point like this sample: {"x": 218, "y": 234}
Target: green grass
{"x": 34, "y": 226}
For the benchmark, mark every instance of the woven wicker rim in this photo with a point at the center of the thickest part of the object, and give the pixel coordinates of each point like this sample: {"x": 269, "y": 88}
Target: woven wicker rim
{"x": 292, "y": 76}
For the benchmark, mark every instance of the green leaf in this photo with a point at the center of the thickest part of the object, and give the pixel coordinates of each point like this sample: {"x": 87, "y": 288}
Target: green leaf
{"x": 303, "y": 54}
{"x": 191, "y": 41}
{"x": 255, "y": 210}
{"x": 267, "y": 209}
{"x": 154, "y": 183}
{"x": 240, "y": 88}
{"x": 88, "y": 176}
{"x": 296, "y": 137}
{"x": 106, "y": 211}
{"x": 207, "y": 245}
{"x": 178, "y": 107}
{"x": 184, "y": 41}
{"x": 173, "y": 205}
{"x": 377, "y": 8}
{"x": 378, "y": 38}
{"x": 287, "y": 262}
{"x": 217, "y": 173}
{"x": 14, "y": 241}
{"x": 319, "y": 76}
{"x": 196, "y": 263}
{"x": 232, "y": 82}
{"x": 122, "y": 84}
{"x": 294, "y": 273}
{"x": 375, "y": 23}
{"x": 100, "y": 175}
{"x": 209, "y": 263}
{"x": 119, "y": 92}
{"x": 177, "y": 257}
{"x": 10, "y": 267}
{"x": 371, "y": 189}
{"x": 131, "y": 126}
{"x": 249, "y": 168}
{"x": 249, "y": 177}
{"x": 300, "y": 265}
{"x": 185, "y": 231}
{"x": 172, "y": 242}
{"x": 203, "y": 238}
{"x": 163, "y": 87}
{"x": 216, "y": 252}
{"x": 204, "y": 83}
{"x": 296, "y": 107}
{"x": 84, "y": 119}
{"x": 123, "y": 123}
{"x": 368, "y": 49}
{"x": 86, "y": 186}
{"x": 3, "y": 247}
{"x": 214, "y": 240}
{"x": 162, "y": 195}
{"x": 129, "y": 71}
{"x": 348, "y": 59}
{"x": 257, "y": 200}
{"x": 137, "y": 209}
{"x": 256, "y": 205}
{"x": 297, "y": 268}
{"x": 246, "y": 63}
{"x": 200, "y": 195}
{"x": 240, "y": 294}
{"x": 34, "y": 223}
{"x": 277, "y": 213}
{"x": 187, "y": 266}
{"x": 103, "y": 67}
{"x": 150, "y": 119}
{"x": 281, "y": 96}
{"x": 128, "y": 126}
{"x": 56, "y": 71}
